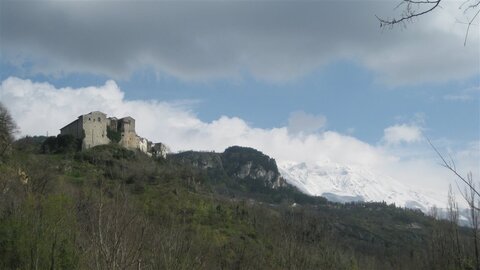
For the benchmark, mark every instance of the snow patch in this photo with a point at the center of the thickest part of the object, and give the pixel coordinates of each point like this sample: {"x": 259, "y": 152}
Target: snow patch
{"x": 343, "y": 183}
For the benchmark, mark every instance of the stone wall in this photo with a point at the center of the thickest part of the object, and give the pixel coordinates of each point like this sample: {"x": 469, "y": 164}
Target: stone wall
{"x": 144, "y": 145}
{"x": 160, "y": 150}
{"x": 75, "y": 129}
{"x": 95, "y": 129}
{"x": 129, "y": 139}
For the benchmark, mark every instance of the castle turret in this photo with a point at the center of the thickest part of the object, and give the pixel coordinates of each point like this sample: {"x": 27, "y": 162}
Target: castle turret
{"x": 129, "y": 138}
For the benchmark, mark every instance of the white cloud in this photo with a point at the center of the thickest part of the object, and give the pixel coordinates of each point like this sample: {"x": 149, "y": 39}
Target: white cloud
{"x": 468, "y": 94}
{"x": 39, "y": 108}
{"x": 402, "y": 133}
{"x": 230, "y": 38}
{"x": 301, "y": 122}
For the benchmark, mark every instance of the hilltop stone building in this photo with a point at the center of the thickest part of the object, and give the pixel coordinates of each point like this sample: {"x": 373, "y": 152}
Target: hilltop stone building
{"x": 94, "y": 129}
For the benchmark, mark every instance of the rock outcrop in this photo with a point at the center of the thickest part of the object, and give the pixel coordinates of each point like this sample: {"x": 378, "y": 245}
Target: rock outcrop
{"x": 250, "y": 164}
{"x": 238, "y": 163}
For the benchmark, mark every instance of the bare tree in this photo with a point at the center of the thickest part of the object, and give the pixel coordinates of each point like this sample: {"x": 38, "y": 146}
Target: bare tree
{"x": 466, "y": 180}
{"x": 471, "y": 195}
{"x": 7, "y": 129}
{"x": 453, "y": 218}
{"x": 116, "y": 233}
{"x": 416, "y": 8}
{"x": 474, "y": 202}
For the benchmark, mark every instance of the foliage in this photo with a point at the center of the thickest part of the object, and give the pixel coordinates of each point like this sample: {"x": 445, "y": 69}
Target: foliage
{"x": 111, "y": 208}
{"x": 114, "y": 135}
{"x": 61, "y": 144}
{"x": 40, "y": 236}
{"x": 7, "y": 129}
{"x": 29, "y": 143}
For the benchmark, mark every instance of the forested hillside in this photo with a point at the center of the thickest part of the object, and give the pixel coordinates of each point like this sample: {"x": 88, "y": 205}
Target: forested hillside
{"x": 111, "y": 208}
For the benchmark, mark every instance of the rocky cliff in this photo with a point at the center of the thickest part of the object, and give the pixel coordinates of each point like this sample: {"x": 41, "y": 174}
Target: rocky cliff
{"x": 252, "y": 165}
{"x": 241, "y": 164}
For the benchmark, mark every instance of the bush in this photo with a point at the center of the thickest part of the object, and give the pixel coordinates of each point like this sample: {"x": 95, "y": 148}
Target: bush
{"x": 61, "y": 144}
{"x": 114, "y": 136}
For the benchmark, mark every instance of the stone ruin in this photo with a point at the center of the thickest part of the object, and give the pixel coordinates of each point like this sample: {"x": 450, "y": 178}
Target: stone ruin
{"x": 96, "y": 129}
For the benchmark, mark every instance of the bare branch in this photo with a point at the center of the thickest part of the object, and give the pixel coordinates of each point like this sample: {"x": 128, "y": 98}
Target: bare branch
{"x": 409, "y": 13}
{"x": 415, "y": 8}
{"x": 470, "y": 24}
{"x": 422, "y": 2}
{"x": 468, "y": 181}
{"x": 463, "y": 4}
{"x": 472, "y": 6}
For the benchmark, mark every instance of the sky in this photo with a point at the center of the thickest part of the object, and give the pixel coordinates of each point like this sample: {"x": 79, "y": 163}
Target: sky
{"x": 302, "y": 81}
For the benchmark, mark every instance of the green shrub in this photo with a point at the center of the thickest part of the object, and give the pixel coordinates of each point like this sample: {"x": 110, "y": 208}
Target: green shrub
{"x": 114, "y": 136}
{"x": 61, "y": 144}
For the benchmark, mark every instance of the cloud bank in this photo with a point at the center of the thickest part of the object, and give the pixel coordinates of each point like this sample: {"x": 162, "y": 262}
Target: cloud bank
{"x": 200, "y": 40}
{"x": 39, "y": 108}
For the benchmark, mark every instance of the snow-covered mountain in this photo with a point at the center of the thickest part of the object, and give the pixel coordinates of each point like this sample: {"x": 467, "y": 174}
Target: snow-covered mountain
{"x": 342, "y": 183}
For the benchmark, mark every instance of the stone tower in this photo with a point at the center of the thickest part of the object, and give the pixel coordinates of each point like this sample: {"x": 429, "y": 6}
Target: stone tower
{"x": 91, "y": 128}
{"x": 129, "y": 138}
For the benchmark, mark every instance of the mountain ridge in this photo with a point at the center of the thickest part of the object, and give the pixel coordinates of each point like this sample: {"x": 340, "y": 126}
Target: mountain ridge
{"x": 344, "y": 183}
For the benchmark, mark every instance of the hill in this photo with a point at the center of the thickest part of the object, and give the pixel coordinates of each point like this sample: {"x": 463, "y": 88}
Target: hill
{"x": 112, "y": 208}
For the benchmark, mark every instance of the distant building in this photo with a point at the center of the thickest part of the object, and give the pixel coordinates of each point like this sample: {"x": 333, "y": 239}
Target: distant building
{"x": 93, "y": 129}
